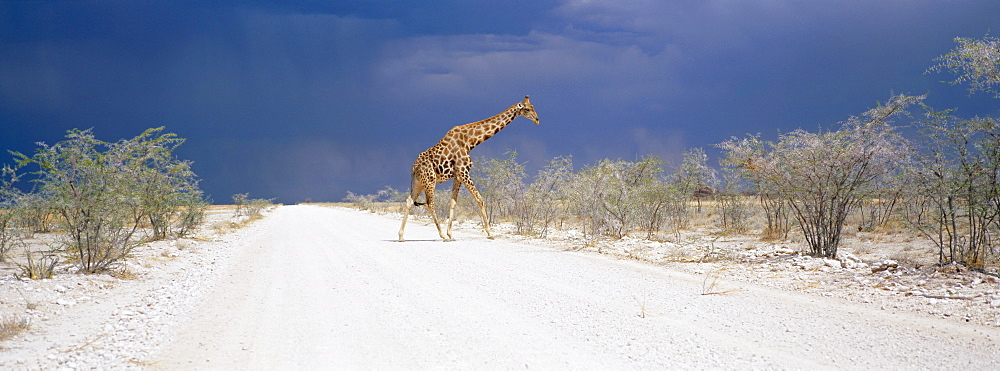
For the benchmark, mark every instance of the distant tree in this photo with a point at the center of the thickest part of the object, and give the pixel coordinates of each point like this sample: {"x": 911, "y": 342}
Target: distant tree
{"x": 361, "y": 202}
{"x": 734, "y": 205}
{"x": 10, "y": 213}
{"x": 957, "y": 172}
{"x": 391, "y": 199}
{"x": 549, "y": 192}
{"x": 693, "y": 177}
{"x": 976, "y": 62}
{"x": 586, "y": 187}
{"x": 241, "y": 200}
{"x": 166, "y": 186}
{"x": 823, "y": 176}
{"x": 662, "y": 203}
{"x": 775, "y": 207}
{"x": 252, "y": 208}
{"x": 614, "y": 197}
{"x": 501, "y": 182}
{"x": 772, "y": 199}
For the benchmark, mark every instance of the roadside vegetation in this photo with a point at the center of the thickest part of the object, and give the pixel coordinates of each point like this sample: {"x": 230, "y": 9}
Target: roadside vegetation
{"x": 95, "y": 201}
{"x": 11, "y": 326}
{"x": 861, "y": 174}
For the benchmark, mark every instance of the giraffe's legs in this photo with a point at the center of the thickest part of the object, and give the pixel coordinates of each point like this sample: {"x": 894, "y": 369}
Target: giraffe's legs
{"x": 411, "y": 201}
{"x": 429, "y": 192}
{"x": 482, "y": 206}
{"x": 451, "y": 205}
{"x": 406, "y": 215}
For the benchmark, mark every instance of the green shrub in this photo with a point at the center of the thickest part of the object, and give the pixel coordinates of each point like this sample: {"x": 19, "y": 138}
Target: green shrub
{"x": 103, "y": 193}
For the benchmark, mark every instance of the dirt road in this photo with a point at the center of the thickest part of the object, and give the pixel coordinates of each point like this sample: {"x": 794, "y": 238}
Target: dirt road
{"x": 330, "y": 287}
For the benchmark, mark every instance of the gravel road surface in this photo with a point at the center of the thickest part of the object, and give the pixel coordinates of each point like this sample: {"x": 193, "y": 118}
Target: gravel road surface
{"x": 327, "y": 287}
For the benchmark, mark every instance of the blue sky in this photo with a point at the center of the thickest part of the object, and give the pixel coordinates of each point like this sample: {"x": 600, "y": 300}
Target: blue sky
{"x": 290, "y": 100}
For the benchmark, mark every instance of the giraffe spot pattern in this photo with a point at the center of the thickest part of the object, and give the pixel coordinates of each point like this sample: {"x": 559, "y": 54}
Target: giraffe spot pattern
{"x": 449, "y": 159}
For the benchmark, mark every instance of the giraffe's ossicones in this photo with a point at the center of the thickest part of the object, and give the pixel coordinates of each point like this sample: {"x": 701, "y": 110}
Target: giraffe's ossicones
{"x": 449, "y": 159}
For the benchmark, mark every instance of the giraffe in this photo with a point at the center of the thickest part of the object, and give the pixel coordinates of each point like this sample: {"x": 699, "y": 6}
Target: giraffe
{"x": 449, "y": 159}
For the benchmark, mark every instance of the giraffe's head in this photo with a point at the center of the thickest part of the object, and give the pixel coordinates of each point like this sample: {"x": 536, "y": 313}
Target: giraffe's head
{"x": 527, "y": 110}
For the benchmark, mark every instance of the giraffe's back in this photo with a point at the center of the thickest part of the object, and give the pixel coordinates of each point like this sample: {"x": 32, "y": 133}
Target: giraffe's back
{"x": 438, "y": 164}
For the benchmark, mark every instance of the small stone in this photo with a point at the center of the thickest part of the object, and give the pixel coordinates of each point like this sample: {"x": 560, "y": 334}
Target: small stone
{"x": 784, "y": 250}
{"x": 952, "y": 268}
{"x": 849, "y": 257}
{"x": 858, "y": 265}
{"x": 884, "y": 265}
{"x": 185, "y": 243}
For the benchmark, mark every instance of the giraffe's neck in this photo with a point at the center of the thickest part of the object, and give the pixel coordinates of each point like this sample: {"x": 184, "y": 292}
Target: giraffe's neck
{"x": 479, "y": 132}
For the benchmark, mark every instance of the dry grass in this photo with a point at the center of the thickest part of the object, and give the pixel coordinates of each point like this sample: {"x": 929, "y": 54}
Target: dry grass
{"x": 641, "y": 302}
{"x": 38, "y": 267}
{"x": 226, "y": 226}
{"x": 124, "y": 274}
{"x": 233, "y": 222}
{"x": 710, "y": 285}
{"x": 906, "y": 258}
{"x": 11, "y": 326}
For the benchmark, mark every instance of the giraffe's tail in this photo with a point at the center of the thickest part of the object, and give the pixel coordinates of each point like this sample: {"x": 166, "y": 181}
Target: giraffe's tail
{"x": 413, "y": 195}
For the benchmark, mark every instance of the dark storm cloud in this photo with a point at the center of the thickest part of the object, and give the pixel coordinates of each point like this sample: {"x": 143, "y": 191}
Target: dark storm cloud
{"x": 312, "y": 98}
{"x": 224, "y": 75}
